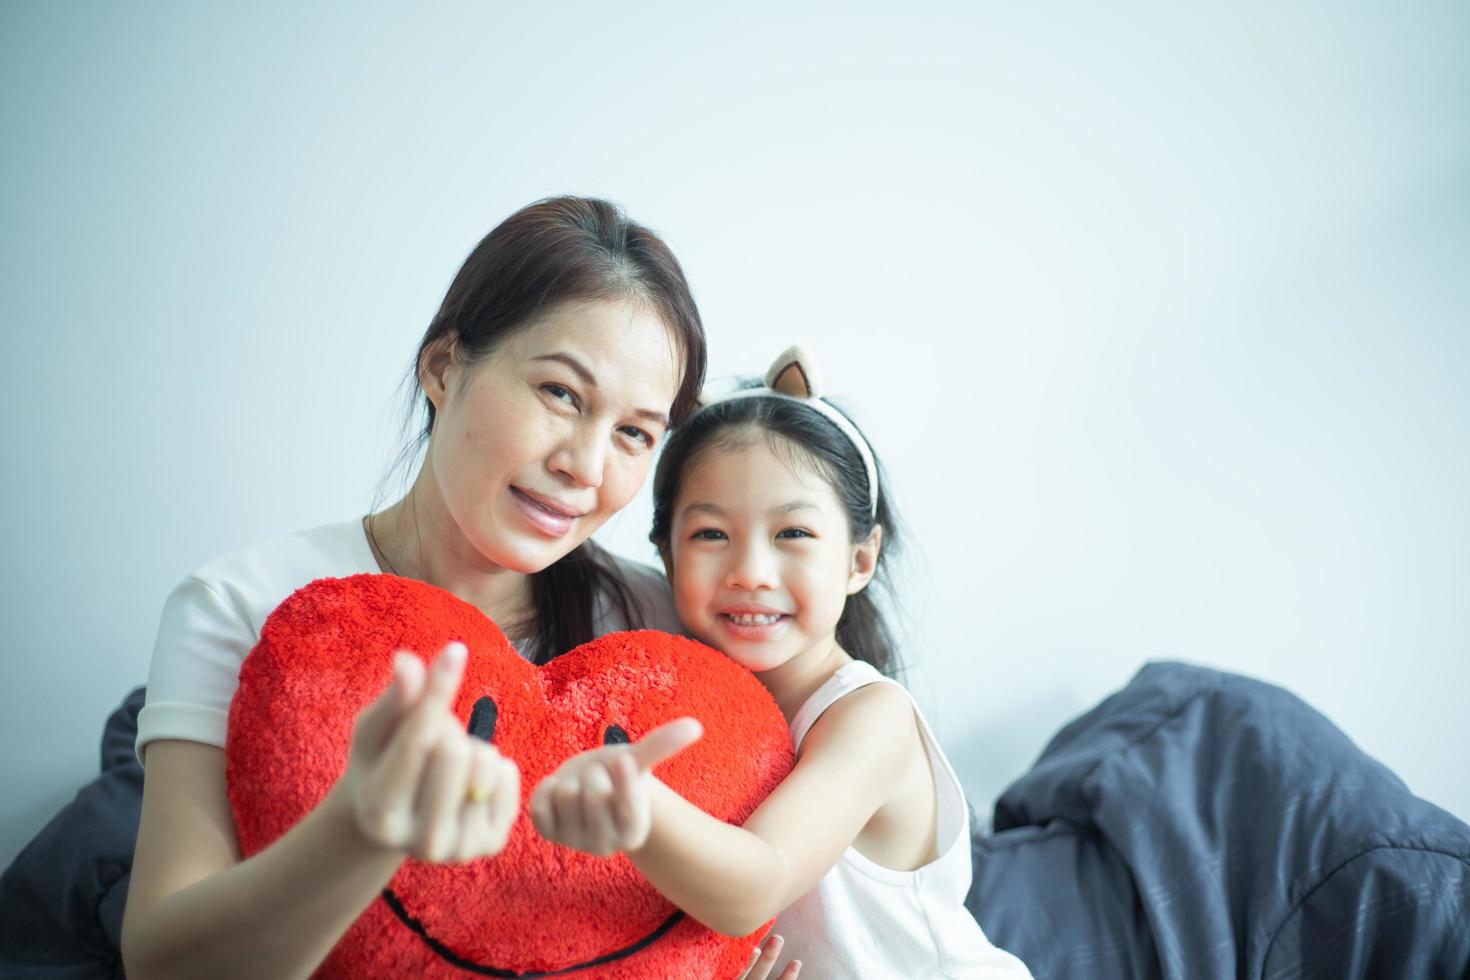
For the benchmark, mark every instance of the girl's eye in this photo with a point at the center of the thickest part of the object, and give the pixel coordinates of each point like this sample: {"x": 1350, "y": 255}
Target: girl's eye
{"x": 707, "y": 534}
{"x": 794, "y": 532}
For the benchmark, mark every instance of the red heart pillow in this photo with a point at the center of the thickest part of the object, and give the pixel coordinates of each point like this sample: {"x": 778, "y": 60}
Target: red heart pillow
{"x": 536, "y": 909}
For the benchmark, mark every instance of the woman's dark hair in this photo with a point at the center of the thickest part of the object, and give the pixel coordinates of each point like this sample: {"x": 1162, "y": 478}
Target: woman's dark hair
{"x": 558, "y": 250}
{"x": 804, "y": 437}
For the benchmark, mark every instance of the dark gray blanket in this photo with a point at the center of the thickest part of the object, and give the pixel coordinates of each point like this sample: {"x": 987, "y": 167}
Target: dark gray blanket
{"x": 1194, "y": 825}
{"x": 62, "y": 898}
{"x": 1200, "y": 824}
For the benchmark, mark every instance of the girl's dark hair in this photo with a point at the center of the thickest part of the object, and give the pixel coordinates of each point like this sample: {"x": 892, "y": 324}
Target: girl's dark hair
{"x": 553, "y": 251}
{"x": 805, "y": 437}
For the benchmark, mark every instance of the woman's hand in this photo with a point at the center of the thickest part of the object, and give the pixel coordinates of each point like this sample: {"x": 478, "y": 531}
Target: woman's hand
{"x": 598, "y": 801}
{"x": 416, "y": 781}
{"x": 763, "y": 961}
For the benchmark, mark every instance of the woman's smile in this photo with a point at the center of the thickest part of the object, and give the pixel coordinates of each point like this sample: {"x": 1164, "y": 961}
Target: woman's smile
{"x": 548, "y": 418}
{"x": 549, "y": 516}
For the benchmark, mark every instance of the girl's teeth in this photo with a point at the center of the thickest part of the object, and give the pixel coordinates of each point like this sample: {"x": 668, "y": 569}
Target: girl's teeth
{"x": 753, "y": 619}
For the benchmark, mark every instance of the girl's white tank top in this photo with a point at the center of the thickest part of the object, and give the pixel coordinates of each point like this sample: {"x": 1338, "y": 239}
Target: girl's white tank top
{"x": 863, "y": 920}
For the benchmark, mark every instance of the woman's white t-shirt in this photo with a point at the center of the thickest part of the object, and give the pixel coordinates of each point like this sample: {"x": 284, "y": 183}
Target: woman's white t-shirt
{"x": 212, "y": 619}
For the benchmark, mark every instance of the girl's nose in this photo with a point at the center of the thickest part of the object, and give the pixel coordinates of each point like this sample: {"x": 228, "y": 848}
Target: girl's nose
{"x": 753, "y": 568}
{"x": 581, "y": 457}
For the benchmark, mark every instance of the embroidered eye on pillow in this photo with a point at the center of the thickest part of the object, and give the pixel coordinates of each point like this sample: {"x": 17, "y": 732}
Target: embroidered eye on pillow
{"x": 536, "y": 909}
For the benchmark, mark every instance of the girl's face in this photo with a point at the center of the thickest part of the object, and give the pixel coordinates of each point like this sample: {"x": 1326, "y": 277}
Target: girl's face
{"x": 760, "y": 555}
{"x": 534, "y": 447}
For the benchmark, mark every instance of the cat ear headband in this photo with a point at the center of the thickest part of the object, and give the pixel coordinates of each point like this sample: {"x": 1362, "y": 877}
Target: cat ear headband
{"x": 793, "y": 377}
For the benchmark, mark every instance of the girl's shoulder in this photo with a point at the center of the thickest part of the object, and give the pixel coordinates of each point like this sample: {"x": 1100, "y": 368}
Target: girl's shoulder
{"x": 857, "y": 703}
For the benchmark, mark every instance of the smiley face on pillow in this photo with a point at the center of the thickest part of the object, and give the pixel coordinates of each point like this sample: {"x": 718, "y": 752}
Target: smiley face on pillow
{"x": 536, "y": 909}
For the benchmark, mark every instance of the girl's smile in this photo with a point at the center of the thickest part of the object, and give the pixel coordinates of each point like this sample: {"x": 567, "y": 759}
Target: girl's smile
{"x": 760, "y": 556}
{"x": 754, "y": 623}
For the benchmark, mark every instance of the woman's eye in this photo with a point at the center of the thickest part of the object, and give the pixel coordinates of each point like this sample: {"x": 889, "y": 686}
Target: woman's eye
{"x": 707, "y": 534}
{"x": 560, "y": 394}
{"x": 637, "y": 435}
{"x": 794, "y": 532}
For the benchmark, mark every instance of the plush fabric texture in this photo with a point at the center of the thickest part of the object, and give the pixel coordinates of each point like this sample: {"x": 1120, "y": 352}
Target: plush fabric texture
{"x": 536, "y": 909}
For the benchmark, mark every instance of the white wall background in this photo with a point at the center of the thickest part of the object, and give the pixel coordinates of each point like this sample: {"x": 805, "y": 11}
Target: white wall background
{"x": 1159, "y": 317}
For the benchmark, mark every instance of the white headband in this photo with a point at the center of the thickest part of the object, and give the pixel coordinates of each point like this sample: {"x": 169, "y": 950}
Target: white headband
{"x": 793, "y": 377}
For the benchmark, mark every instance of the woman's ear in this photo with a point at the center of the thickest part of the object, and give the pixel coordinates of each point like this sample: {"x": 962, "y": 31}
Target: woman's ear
{"x": 435, "y": 363}
{"x": 864, "y": 560}
{"x": 668, "y": 559}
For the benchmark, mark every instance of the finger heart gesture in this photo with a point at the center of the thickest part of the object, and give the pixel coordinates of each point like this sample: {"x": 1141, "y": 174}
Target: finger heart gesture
{"x": 417, "y": 781}
{"x": 599, "y": 801}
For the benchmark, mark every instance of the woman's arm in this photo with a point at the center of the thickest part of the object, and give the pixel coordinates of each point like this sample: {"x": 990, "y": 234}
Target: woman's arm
{"x": 195, "y": 909}
{"x": 733, "y": 879}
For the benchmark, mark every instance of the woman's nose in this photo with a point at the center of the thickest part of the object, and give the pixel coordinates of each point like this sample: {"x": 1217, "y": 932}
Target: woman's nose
{"x": 753, "y": 568}
{"x": 581, "y": 457}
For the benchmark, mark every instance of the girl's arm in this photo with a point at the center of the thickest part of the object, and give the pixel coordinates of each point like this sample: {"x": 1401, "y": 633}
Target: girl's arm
{"x": 195, "y": 909}
{"x": 733, "y": 879}
{"x": 763, "y": 961}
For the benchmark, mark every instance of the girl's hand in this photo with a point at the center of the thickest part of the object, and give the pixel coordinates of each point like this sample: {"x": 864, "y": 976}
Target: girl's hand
{"x": 598, "y": 801}
{"x": 763, "y": 961}
{"x": 416, "y": 781}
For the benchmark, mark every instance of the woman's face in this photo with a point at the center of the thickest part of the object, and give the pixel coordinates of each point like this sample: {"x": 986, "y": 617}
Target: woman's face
{"x": 535, "y": 446}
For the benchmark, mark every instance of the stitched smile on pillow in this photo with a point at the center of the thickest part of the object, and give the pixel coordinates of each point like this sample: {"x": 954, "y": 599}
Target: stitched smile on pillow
{"x": 536, "y": 909}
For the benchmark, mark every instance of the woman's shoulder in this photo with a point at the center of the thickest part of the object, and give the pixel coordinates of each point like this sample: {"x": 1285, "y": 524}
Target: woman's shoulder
{"x": 651, "y": 598}
{"x": 636, "y": 574}
{"x": 255, "y": 579}
{"x": 213, "y": 617}
{"x": 338, "y": 544}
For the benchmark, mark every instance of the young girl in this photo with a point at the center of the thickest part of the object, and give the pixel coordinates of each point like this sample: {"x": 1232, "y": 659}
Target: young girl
{"x": 770, "y": 518}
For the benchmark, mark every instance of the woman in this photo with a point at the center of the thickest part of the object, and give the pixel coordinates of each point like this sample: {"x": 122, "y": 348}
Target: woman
{"x": 565, "y": 348}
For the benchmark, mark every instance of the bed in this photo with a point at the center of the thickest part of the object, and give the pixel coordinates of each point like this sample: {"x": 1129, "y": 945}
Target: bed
{"x": 1195, "y": 824}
